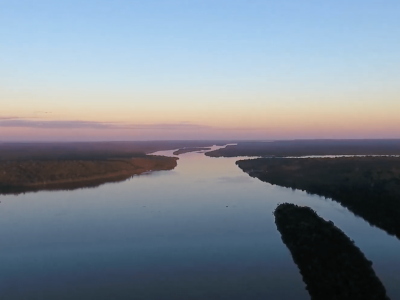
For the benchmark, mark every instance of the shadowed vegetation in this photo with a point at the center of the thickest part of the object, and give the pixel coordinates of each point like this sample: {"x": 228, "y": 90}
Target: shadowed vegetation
{"x": 367, "y": 186}
{"x": 92, "y": 150}
{"x": 331, "y": 265}
{"x": 310, "y": 147}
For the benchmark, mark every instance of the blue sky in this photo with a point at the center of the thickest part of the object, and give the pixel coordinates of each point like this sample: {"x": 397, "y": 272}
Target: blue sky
{"x": 142, "y": 50}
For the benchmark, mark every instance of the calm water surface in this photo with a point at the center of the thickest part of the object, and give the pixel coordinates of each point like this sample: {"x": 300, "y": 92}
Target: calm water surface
{"x": 202, "y": 231}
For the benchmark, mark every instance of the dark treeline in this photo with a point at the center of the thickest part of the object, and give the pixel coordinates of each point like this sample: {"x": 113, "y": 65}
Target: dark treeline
{"x": 310, "y": 147}
{"x": 367, "y": 186}
{"x": 331, "y": 265}
{"x": 190, "y": 149}
{"x": 91, "y": 150}
{"x": 35, "y": 175}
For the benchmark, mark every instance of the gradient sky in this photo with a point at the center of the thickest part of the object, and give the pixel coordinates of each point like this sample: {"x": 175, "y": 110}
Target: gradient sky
{"x": 199, "y": 69}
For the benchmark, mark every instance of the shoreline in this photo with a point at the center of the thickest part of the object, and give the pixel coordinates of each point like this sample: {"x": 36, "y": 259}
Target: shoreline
{"x": 367, "y": 186}
{"x": 30, "y": 176}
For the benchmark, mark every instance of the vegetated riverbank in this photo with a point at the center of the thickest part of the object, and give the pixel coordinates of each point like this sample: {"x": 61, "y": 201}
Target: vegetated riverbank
{"x": 309, "y": 147}
{"x": 93, "y": 150}
{"x": 331, "y": 265}
{"x": 50, "y": 166}
{"x": 367, "y": 186}
{"x": 33, "y": 175}
{"x": 187, "y": 150}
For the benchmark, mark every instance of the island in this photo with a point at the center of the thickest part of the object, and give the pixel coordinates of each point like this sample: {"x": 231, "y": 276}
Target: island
{"x": 367, "y": 186}
{"x": 33, "y": 175}
{"x": 331, "y": 265}
{"x": 192, "y": 149}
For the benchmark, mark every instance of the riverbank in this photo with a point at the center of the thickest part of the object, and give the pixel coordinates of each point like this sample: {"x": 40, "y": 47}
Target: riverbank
{"x": 367, "y": 186}
{"x": 309, "y": 147}
{"x": 93, "y": 150}
{"x": 34, "y": 175}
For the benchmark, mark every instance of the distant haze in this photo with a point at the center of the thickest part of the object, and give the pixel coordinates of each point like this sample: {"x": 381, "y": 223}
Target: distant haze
{"x": 200, "y": 69}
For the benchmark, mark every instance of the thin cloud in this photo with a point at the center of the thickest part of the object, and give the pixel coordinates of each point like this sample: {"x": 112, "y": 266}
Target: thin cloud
{"x": 33, "y": 122}
{"x": 52, "y": 124}
{"x": 166, "y": 126}
{"x": 26, "y": 123}
{"x": 7, "y": 118}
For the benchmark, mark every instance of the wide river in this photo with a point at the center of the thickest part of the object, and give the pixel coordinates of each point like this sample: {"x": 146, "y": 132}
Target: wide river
{"x": 202, "y": 231}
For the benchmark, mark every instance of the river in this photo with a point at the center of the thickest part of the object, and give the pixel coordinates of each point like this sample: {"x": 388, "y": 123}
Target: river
{"x": 202, "y": 231}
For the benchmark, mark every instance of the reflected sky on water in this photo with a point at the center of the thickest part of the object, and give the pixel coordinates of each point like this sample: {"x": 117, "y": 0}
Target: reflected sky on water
{"x": 202, "y": 231}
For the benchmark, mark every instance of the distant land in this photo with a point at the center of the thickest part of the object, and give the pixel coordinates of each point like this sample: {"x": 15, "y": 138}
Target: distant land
{"x": 93, "y": 150}
{"x": 27, "y": 176}
{"x": 187, "y": 150}
{"x": 367, "y": 186}
{"x": 332, "y": 266}
{"x": 42, "y": 162}
{"x": 26, "y": 167}
{"x": 310, "y": 147}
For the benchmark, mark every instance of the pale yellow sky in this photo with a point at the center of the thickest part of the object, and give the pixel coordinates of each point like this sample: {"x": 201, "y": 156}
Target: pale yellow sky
{"x": 209, "y": 114}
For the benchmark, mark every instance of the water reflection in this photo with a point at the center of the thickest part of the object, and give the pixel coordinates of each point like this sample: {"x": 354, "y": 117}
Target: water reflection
{"x": 168, "y": 235}
{"x": 234, "y": 179}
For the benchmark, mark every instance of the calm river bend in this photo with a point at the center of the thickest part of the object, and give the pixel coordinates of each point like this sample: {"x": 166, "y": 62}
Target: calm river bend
{"x": 202, "y": 231}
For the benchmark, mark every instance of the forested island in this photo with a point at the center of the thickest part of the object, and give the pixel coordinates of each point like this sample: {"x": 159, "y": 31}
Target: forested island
{"x": 367, "y": 186}
{"x": 332, "y": 266}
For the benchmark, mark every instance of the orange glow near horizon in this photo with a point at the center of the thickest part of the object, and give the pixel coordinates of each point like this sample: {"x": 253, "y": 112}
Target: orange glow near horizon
{"x": 268, "y": 70}
{"x": 218, "y": 116}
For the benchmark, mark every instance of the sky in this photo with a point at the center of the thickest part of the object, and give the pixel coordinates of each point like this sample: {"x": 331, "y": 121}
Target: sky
{"x": 199, "y": 69}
